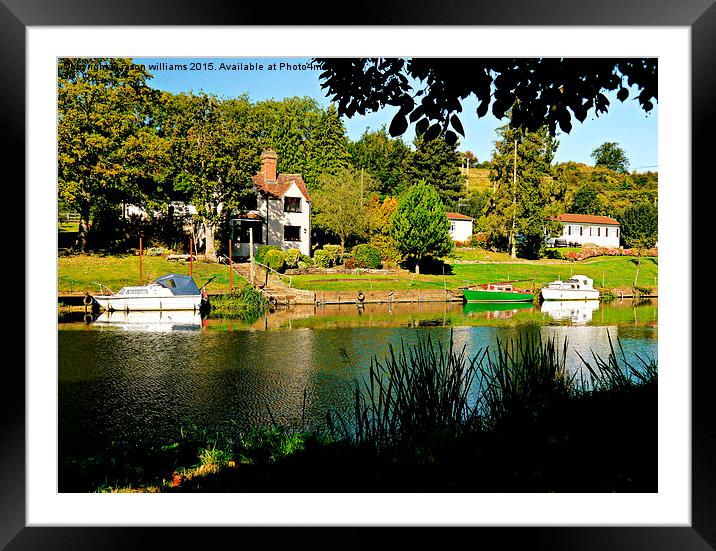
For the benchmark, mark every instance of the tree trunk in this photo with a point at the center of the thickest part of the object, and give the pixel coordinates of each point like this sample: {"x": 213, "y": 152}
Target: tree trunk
{"x": 83, "y": 230}
{"x": 210, "y": 249}
{"x": 417, "y": 266}
{"x": 638, "y": 265}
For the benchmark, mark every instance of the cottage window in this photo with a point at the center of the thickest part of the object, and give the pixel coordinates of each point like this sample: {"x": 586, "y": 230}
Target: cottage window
{"x": 581, "y": 229}
{"x": 251, "y": 202}
{"x": 292, "y": 233}
{"x": 599, "y": 232}
{"x": 291, "y": 204}
{"x": 569, "y": 230}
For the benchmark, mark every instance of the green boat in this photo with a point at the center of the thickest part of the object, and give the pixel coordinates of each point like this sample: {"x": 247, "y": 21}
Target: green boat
{"x": 496, "y": 292}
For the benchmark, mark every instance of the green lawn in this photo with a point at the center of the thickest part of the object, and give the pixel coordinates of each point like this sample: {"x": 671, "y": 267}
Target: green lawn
{"x": 617, "y": 272}
{"x": 79, "y": 273}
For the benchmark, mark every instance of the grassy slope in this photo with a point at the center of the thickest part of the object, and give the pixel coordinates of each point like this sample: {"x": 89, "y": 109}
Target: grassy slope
{"x": 79, "y": 273}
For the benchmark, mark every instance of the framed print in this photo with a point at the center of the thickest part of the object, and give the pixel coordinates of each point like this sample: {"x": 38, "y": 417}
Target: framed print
{"x": 47, "y": 504}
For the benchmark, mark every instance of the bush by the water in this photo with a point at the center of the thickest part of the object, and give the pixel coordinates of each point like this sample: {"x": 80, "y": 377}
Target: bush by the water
{"x": 246, "y": 303}
{"x": 292, "y": 256}
{"x": 262, "y": 251}
{"x": 366, "y": 256}
{"x": 275, "y": 259}
{"x": 322, "y": 259}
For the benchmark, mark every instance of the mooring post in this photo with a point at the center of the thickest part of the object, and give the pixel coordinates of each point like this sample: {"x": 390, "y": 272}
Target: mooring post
{"x": 141, "y": 281}
{"x": 231, "y": 269}
{"x": 252, "y": 265}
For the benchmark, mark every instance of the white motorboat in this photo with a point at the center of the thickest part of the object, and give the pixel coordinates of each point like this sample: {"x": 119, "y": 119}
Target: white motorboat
{"x": 169, "y": 292}
{"x": 578, "y": 287}
{"x": 574, "y": 311}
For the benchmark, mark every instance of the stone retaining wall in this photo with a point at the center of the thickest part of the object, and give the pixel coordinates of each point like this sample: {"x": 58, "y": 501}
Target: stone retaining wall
{"x": 411, "y": 295}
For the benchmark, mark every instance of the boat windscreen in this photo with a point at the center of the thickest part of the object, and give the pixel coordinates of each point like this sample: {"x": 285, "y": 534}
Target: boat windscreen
{"x": 178, "y": 284}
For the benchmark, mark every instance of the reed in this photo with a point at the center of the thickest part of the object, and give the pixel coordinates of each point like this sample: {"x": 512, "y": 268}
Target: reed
{"x": 246, "y": 303}
{"x": 423, "y": 397}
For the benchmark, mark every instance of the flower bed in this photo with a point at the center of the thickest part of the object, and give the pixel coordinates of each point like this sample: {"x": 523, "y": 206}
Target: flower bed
{"x": 591, "y": 252}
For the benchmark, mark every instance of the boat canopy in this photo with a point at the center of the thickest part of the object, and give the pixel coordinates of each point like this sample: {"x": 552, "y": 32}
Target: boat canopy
{"x": 178, "y": 284}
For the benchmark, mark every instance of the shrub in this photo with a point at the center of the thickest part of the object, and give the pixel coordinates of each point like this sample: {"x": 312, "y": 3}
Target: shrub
{"x": 322, "y": 259}
{"x": 366, "y": 256}
{"x": 306, "y": 259}
{"x": 350, "y": 263}
{"x": 275, "y": 259}
{"x": 333, "y": 252}
{"x": 554, "y": 254}
{"x": 262, "y": 251}
{"x": 291, "y": 257}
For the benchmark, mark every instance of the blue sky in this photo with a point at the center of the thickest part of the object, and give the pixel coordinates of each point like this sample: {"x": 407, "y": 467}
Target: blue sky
{"x": 634, "y": 130}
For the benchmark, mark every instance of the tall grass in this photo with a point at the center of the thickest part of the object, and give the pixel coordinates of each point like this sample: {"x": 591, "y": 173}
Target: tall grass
{"x": 246, "y": 303}
{"x": 422, "y": 397}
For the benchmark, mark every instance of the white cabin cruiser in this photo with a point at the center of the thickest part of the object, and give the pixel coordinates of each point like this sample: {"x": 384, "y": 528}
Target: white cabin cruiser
{"x": 169, "y": 292}
{"x": 578, "y": 287}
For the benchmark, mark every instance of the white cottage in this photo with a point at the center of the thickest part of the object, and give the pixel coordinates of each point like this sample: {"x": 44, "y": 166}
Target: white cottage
{"x": 281, "y": 215}
{"x": 586, "y": 228}
{"x": 460, "y": 226}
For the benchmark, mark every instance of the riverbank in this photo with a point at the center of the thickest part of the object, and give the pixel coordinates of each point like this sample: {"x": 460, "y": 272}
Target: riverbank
{"x": 534, "y": 427}
{"x": 79, "y": 274}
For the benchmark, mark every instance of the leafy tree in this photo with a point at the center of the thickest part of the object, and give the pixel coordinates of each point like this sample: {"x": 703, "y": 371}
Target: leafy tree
{"x": 380, "y": 213}
{"x": 438, "y": 163}
{"x": 327, "y": 150}
{"x": 420, "y": 228}
{"x": 640, "y": 230}
{"x": 536, "y": 91}
{"x": 611, "y": 156}
{"x": 586, "y": 201}
{"x": 108, "y": 147}
{"x": 339, "y": 204}
{"x": 475, "y": 206}
{"x": 526, "y": 197}
{"x": 217, "y": 151}
{"x": 380, "y": 156}
{"x": 308, "y": 140}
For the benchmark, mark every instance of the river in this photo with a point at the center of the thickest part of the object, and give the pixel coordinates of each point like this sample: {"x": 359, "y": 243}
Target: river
{"x": 129, "y": 381}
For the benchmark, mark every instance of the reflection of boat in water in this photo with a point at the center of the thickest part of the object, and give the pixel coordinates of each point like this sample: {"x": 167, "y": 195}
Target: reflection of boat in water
{"x": 576, "y": 311}
{"x": 496, "y": 292}
{"x": 174, "y": 320}
{"x": 495, "y": 310}
{"x": 169, "y": 292}
{"x": 578, "y": 287}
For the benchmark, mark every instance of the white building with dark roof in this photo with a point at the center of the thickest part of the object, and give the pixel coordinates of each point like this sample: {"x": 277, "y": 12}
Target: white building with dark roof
{"x": 281, "y": 215}
{"x": 460, "y": 226}
{"x": 587, "y": 228}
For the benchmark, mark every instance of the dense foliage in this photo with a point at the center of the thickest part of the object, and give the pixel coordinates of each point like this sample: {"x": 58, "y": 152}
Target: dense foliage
{"x": 419, "y": 227}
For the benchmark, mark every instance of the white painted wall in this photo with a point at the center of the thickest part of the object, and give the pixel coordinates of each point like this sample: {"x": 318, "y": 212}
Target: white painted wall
{"x": 460, "y": 230}
{"x": 599, "y": 234}
{"x": 271, "y": 210}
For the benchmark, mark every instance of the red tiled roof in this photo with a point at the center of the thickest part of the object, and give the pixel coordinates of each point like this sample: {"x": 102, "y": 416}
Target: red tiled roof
{"x": 279, "y": 187}
{"x": 457, "y": 216}
{"x": 587, "y": 219}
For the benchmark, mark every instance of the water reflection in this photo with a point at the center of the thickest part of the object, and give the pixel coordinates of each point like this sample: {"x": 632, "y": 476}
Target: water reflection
{"x": 576, "y": 311}
{"x": 154, "y": 321}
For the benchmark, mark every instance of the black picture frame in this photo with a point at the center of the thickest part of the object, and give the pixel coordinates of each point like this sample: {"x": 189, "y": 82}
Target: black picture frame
{"x": 16, "y": 15}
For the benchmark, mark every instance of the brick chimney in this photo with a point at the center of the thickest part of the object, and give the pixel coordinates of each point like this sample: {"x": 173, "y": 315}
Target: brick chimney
{"x": 268, "y": 165}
